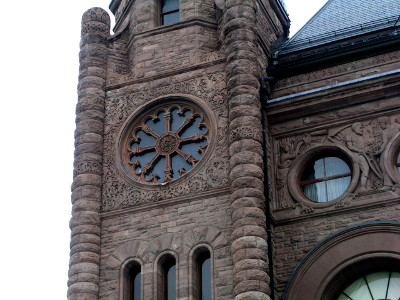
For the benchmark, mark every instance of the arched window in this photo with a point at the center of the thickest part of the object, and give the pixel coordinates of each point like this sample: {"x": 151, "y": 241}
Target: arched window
{"x": 169, "y": 11}
{"x": 167, "y": 285}
{"x": 203, "y": 275}
{"x": 374, "y": 286}
{"x": 132, "y": 281}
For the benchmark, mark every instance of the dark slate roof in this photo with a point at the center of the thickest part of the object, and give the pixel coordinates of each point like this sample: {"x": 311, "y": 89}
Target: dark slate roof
{"x": 341, "y": 19}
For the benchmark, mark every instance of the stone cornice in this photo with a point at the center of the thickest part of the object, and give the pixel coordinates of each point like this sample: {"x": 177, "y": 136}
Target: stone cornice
{"x": 165, "y": 74}
{"x": 337, "y": 95}
{"x": 173, "y": 26}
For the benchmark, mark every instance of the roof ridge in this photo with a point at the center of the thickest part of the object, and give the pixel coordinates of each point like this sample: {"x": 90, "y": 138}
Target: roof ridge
{"x": 308, "y": 22}
{"x": 342, "y": 19}
{"x": 343, "y": 31}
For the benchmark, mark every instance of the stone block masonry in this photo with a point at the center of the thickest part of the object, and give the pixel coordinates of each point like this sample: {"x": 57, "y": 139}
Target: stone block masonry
{"x": 86, "y": 188}
{"x": 249, "y": 243}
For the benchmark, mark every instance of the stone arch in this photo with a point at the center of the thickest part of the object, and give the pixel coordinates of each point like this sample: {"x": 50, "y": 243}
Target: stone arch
{"x": 132, "y": 249}
{"x": 316, "y": 275}
{"x": 215, "y": 241}
{"x": 204, "y": 234}
{"x": 168, "y": 241}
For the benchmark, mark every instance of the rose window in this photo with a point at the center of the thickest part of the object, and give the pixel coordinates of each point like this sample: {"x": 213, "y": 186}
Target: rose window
{"x": 165, "y": 144}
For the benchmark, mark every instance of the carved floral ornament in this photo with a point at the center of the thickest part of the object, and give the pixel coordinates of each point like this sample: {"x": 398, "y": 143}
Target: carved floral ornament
{"x": 164, "y": 140}
{"x": 354, "y": 161}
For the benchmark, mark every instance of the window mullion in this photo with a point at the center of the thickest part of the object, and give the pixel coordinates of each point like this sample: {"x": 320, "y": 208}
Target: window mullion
{"x": 325, "y": 179}
{"x": 365, "y": 279}
{"x": 387, "y": 288}
{"x": 347, "y": 296}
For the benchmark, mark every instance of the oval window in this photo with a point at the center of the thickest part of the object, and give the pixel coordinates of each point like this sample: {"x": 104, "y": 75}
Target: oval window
{"x": 374, "y": 286}
{"x": 398, "y": 162}
{"x": 325, "y": 179}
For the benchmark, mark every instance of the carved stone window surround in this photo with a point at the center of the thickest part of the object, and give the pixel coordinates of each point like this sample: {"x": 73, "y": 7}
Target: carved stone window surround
{"x": 300, "y": 163}
{"x": 389, "y": 157}
{"x": 143, "y": 112}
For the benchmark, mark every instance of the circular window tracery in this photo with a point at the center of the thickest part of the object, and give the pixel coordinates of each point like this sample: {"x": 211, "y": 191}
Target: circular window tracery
{"x": 374, "y": 286}
{"x": 165, "y": 143}
{"x": 325, "y": 179}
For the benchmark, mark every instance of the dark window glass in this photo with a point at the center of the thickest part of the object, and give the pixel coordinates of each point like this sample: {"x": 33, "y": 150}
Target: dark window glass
{"x": 326, "y": 179}
{"x": 169, "y": 11}
{"x": 135, "y": 277}
{"x": 374, "y": 286}
{"x": 204, "y": 276}
{"x": 169, "y": 279}
{"x": 398, "y": 162}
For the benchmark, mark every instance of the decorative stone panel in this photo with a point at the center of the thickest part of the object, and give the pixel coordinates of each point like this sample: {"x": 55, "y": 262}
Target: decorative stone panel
{"x": 370, "y": 146}
{"x": 210, "y": 93}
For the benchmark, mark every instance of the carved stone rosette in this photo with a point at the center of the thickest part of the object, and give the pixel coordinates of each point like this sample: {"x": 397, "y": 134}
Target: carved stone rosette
{"x": 86, "y": 188}
{"x": 164, "y": 143}
{"x": 249, "y": 243}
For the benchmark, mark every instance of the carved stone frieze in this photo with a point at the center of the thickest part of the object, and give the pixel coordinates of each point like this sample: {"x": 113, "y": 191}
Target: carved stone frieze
{"x": 366, "y": 145}
{"x": 245, "y": 132}
{"x": 338, "y": 70}
{"x": 210, "y": 88}
{"x": 85, "y": 167}
{"x": 118, "y": 193}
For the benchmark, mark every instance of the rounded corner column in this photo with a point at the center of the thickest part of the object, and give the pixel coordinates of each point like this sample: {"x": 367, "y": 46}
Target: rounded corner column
{"x": 83, "y": 275}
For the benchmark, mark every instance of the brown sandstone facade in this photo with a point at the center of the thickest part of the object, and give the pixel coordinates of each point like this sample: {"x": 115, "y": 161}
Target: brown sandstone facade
{"x": 240, "y": 200}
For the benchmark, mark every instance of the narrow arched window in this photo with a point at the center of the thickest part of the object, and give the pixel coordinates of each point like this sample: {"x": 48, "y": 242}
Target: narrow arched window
{"x": 132, "y": 282}
{"x": 169, "y": 279}
{"x": 203, "y": 275}
{"x": 135, "y": 283}
{"x": 169, "y": 11}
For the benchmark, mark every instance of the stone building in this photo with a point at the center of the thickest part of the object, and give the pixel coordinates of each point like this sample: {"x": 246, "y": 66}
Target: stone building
{"x": 216, "y": 159}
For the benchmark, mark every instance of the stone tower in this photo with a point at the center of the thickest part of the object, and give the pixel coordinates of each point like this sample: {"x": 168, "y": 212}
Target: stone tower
{"x": 169, "y": 159}
{"x": 215, "y": 159}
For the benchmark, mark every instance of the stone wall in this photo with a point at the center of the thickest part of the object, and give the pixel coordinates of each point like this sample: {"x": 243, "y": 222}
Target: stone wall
{"x": 147, "y": 232}
{"x": 310, "y": 124}
{"x": 293, "y": 240}
{"x": 212, "y": 58}
{"x": 83, "y": 274}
